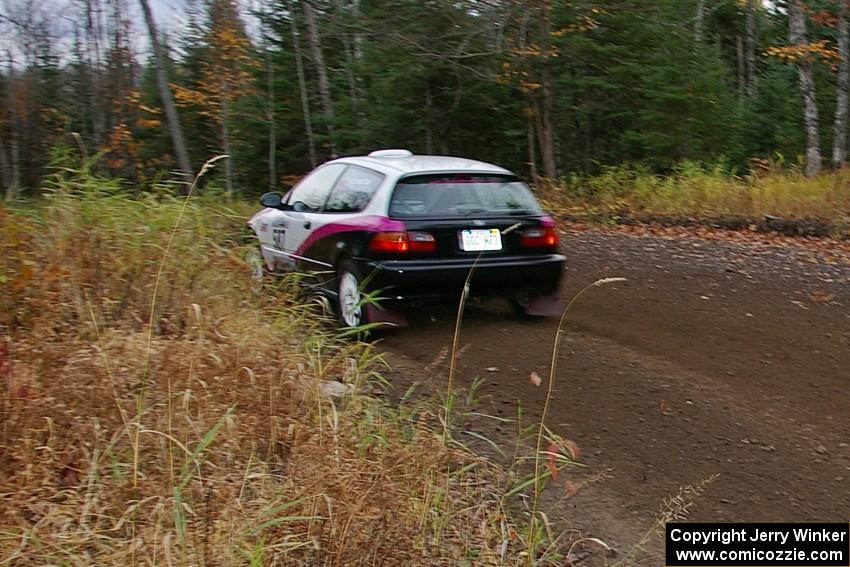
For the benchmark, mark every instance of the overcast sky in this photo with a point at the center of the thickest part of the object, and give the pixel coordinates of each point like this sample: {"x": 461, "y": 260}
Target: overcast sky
{"x": 62, "y": 16}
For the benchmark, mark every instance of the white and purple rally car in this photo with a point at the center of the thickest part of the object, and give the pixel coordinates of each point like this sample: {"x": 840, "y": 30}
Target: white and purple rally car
{"x": 411, "y": 227}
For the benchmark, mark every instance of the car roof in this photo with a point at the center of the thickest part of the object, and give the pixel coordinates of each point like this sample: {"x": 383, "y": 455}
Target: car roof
{"x": 411, "y": 164}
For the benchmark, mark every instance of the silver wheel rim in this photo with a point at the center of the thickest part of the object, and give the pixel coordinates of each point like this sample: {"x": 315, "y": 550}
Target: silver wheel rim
{"x": 349, "y": 299}
{"x": 255, "y": 263}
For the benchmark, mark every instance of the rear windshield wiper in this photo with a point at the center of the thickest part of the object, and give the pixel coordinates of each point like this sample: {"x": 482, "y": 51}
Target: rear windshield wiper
{"x": 485, "y": 212}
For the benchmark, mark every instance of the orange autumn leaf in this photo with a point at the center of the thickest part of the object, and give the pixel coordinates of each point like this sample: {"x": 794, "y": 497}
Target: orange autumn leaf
{"x": 821, "y": 297}
{"x": 571, "y": 488}
{"x": 551, "y": 460}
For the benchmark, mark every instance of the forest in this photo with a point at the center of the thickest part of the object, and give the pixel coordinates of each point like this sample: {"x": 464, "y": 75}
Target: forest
{"x": 549, "y": 88}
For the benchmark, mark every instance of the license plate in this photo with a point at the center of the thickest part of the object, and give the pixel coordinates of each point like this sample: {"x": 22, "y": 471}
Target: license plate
{"x": 477, "y": 240}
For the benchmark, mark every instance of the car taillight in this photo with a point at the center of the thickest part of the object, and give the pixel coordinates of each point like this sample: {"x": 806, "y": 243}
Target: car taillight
{"x": 403, "y": 242}
{"x": 422, "y": 242}
{"x": 390, "y": 242}
{"x": 539, "y": 238}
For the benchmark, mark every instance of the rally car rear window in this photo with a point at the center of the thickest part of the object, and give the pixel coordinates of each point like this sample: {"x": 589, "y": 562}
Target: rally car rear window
{"x": 461, "y": 195}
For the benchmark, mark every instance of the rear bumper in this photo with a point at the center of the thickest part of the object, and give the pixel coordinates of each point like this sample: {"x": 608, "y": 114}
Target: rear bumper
{"x": 422, "y": 279}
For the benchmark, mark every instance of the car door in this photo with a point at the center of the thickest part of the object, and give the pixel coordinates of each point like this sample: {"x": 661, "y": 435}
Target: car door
{"x": 341, "y": 222}
{"x": 303, "y": 214}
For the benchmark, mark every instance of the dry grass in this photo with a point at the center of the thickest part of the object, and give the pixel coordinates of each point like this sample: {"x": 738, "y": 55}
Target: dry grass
{"x": 212, "y": 445}
{"x": 694, "y": 190}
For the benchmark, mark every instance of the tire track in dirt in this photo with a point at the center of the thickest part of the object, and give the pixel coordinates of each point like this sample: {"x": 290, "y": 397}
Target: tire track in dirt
{"x": 713, "y": 358}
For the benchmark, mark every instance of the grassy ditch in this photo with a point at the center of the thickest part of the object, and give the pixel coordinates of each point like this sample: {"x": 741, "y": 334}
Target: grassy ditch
{"x": 769, "y": 199}
{"x": 157, "y": 411}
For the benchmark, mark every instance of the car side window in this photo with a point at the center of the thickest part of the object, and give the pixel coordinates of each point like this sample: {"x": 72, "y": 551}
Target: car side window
{"x": 310, "y": 194}
{"x": 353, "y": 190}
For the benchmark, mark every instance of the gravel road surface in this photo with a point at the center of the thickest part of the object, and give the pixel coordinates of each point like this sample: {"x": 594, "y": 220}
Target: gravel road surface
{"x": 724, "y": 355}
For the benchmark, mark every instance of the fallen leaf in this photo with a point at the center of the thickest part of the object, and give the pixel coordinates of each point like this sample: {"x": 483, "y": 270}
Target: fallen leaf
{"x": 571, "y": 488}
{"x": 821, "y": 297}
{"x": 534, "y": 378}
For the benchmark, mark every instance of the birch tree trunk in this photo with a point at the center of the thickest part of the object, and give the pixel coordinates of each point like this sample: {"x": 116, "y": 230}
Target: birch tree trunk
{"x": 14, "y": 167}
{"x": 350, "y": 50}
{"x": 358, "y": 35}
{"x": 270, "y": 115}
{"x": 319, "y": 61}
{"x": 547, "y": 130}
{"x": 302, "y": 87}
{"x": 172, "y": 118}
{"x": 698, "y": 21}
{"x": 119, "y": 69}
{"x": 92, "y": 28}
{"x": 6, "y": 173}
{"x": 741, "y": 66}
{"x": 5, "y": 169}
{"x": 429, "y": 112}
{"x": 532, "y": 157}
{"x": 839, "y": 146}
{"x": 751, "y": 40}
{"x": 224, "y": 115}
{"x": 272, "y": 129}
{"x": 797, "y": 36}
{"x": 225, "y": 146}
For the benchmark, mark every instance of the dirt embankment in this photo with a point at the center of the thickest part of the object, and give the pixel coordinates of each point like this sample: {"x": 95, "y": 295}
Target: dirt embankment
{"x": 725, "y": 356}
{"x": 767, "y": 224}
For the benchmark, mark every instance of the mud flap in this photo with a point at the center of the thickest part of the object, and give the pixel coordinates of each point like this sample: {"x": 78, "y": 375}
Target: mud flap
{"x": 385, "y": 317}
{"x": 546, "y": 306}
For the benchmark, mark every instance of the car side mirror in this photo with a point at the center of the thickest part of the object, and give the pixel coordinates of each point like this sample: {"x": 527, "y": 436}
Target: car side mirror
{"x": 273, "y": 200}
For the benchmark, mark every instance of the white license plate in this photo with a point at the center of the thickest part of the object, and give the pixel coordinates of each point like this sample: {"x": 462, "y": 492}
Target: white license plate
{"x": 477, "y": 240}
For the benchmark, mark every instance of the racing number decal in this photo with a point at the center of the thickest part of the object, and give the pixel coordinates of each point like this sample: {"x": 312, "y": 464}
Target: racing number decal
{"x": 278, "y": 233}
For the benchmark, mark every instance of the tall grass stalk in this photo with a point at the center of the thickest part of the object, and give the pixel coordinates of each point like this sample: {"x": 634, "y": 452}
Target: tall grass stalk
{"x": 464, "y": 295}
{"x": 206, "y": 167}
{"x": 674, "y": 508}
{"x": 553, "y": 365}
{"x": 140, "y": 396}
{"x": 456, "y": 335}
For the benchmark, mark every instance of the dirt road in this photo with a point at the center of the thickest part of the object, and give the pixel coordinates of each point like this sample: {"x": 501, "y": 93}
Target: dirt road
{"x": 716, "y": 357}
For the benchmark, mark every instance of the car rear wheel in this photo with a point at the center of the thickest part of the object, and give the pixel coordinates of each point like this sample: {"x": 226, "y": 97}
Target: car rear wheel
{"x": 352, "y": 312}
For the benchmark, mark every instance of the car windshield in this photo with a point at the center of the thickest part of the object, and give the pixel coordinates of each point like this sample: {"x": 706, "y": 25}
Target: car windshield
{"x": 461, "y": 195}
